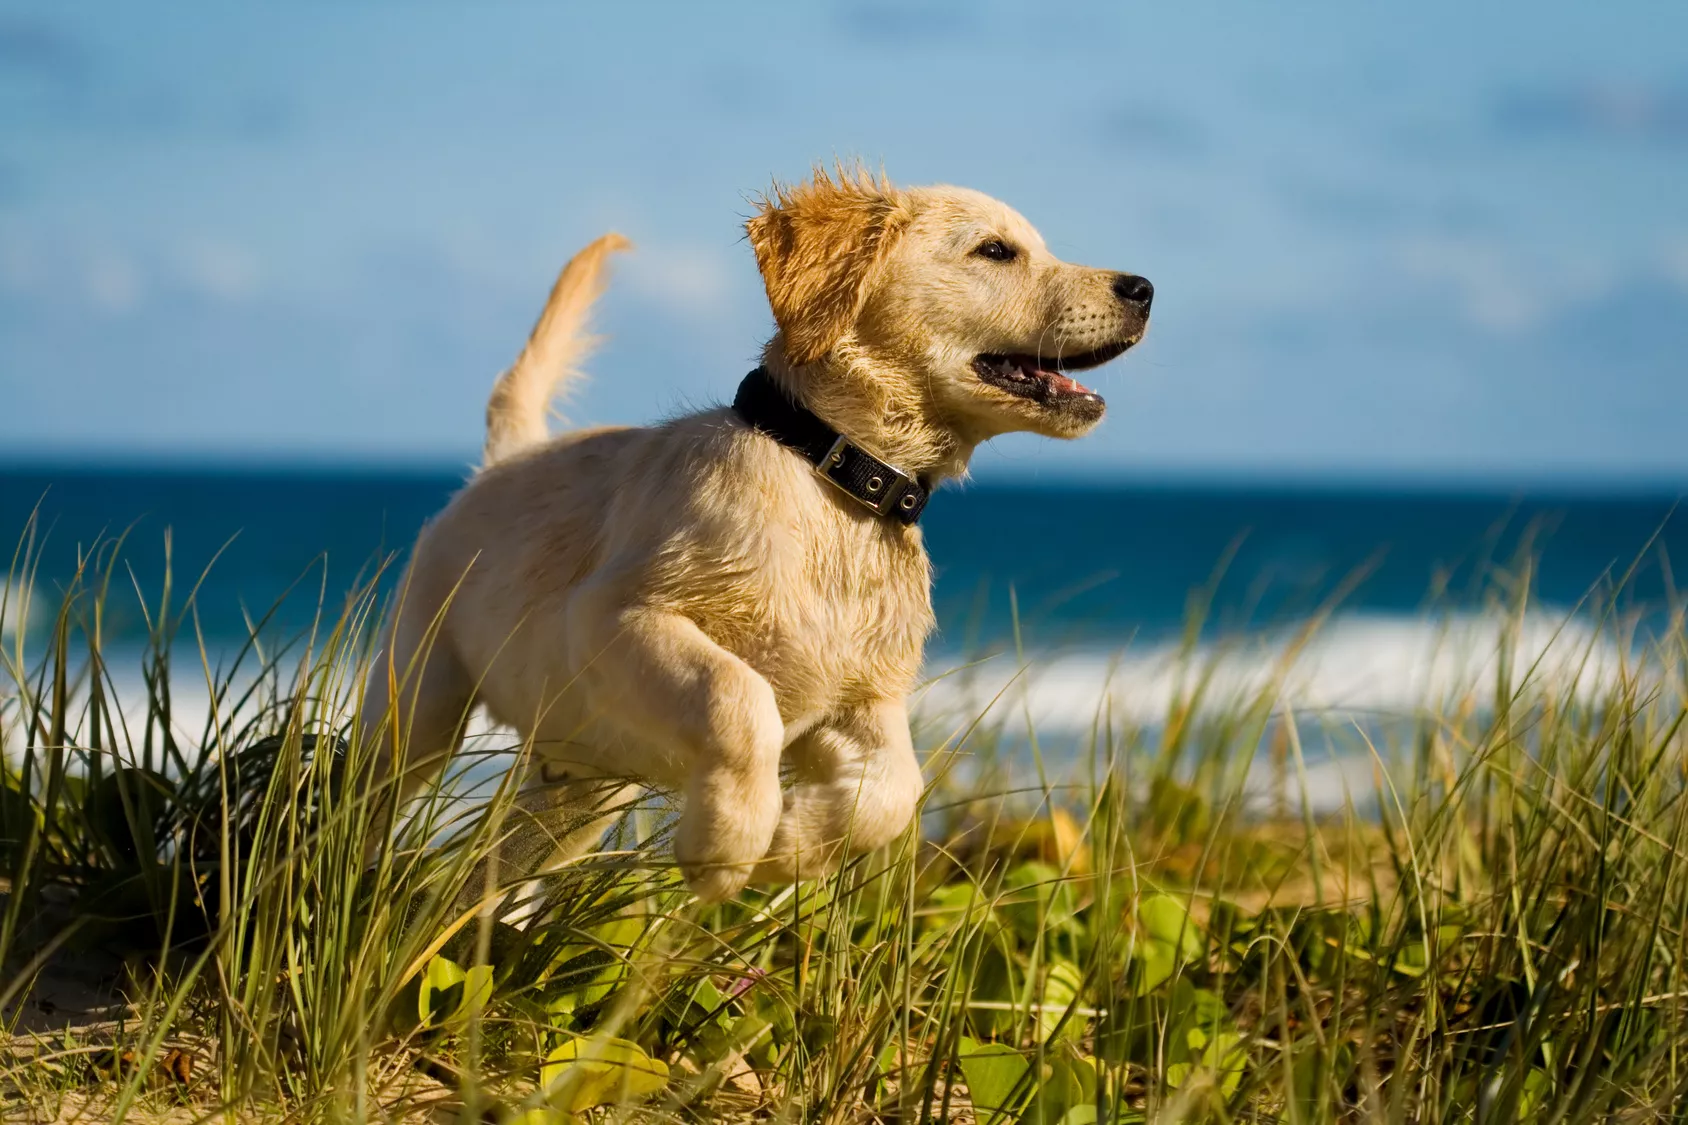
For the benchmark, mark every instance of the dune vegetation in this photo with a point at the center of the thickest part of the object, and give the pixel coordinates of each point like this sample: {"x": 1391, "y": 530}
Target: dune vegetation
{"x": 1130, "y": 929}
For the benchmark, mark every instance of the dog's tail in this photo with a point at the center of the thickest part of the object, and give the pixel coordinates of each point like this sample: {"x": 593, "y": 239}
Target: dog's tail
{"x": 516, "y": 412}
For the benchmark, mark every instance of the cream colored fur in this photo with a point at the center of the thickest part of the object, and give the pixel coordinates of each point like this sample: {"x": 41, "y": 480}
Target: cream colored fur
{"x": 515, "y": 412}
{"x": 689, "y": 604}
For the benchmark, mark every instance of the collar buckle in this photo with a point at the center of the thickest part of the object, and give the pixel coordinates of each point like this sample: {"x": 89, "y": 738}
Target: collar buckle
{"x": 883, "y": 488}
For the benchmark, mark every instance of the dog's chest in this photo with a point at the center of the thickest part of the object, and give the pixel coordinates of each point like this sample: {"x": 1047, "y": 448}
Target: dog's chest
{"x": 848, "y": 620}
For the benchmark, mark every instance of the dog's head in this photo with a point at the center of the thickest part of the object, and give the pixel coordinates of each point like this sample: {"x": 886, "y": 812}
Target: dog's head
{"x": 947, "y": 290}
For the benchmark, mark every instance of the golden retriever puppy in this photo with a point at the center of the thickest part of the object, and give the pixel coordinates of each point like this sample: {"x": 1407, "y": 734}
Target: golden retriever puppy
{"x": 703, "y": 602}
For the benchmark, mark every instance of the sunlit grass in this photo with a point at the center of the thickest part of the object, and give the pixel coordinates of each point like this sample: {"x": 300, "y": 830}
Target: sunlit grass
{"x": 1127, "y": 929}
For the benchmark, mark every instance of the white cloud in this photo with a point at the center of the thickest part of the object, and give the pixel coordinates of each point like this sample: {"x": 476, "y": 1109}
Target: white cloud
{"x": 690, "y": 280}
{"x": 1498, "y": 287}
{"x": 19, "y": 270}
{"x": 1673, "y": 258}
{"x": 116, "y": 276}
{"x": 112, "y": 281}
{"x": 218, "y": 269}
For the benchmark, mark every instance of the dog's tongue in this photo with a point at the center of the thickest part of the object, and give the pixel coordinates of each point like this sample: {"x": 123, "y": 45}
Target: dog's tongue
{"x": 1065, "y": 385}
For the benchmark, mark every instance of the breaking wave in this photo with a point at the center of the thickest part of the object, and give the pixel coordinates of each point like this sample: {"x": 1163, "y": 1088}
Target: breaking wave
{"x": 1360, "y": 667}
{"x": 17, "y": 612}
{"x": 1360, "y": 664}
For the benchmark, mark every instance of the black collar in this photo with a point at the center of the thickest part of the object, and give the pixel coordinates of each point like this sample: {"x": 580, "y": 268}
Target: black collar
{"x": 884, "y": 489}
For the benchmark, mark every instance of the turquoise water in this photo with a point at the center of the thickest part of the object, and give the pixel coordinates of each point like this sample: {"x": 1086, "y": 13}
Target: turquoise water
{"x": 1090, "y": 566}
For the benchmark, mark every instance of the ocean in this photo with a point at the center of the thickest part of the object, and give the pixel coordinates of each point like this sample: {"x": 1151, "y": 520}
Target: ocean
{"x": 1086, "y": 565}
{"x": 1091, "y": 595}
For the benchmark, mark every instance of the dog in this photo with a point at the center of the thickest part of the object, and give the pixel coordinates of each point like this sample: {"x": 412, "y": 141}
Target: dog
{"x": 702, "y": 604}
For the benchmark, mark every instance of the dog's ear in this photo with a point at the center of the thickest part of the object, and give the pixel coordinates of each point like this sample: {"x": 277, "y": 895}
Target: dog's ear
{"x": 820, "y": 247}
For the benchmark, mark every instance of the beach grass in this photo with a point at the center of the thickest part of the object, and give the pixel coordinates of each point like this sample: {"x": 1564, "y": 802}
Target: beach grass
{"x": 1132, "y": 928}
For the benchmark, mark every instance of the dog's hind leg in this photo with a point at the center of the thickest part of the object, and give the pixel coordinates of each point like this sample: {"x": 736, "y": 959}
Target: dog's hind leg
{"x": 556, "y": 818}
{"x": 858, "y": 785}
{"x": 657, "y": 675}
{"x": 408, "y": 734}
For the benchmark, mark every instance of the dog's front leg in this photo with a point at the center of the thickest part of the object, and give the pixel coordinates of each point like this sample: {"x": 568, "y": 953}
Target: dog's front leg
{"x": 858, "y": 785}
{"x": 656, "y": 675}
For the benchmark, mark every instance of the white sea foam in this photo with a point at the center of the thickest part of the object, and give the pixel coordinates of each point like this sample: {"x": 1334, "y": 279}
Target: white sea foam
{"x": 1355, "y": 667}
{"x": 18, "y": 613}
{"x": 1361, "y": 668}
{"x": 1358, "y": 664}
{"x": 193, "y": 706}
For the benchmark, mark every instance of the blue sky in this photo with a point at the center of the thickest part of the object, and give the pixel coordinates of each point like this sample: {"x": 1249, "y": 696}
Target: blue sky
{"x": 1405, "y": 240}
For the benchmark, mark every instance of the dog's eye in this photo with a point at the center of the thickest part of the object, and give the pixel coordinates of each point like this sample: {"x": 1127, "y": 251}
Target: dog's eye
{"x": 996, "y": 250}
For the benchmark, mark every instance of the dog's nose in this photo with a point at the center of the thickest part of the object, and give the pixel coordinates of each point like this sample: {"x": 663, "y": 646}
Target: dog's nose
{"x": 1134, "y": 290}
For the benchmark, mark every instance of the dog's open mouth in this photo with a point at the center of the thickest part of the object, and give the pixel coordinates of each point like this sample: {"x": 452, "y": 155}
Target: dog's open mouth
{"x": 1041, "y": 378}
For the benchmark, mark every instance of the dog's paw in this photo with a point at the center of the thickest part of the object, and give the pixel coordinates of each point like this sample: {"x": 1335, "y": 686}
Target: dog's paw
{"x": 716, "y": 860}
{"x": 715, "y": 882}
{"x": 725, "y": 830}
